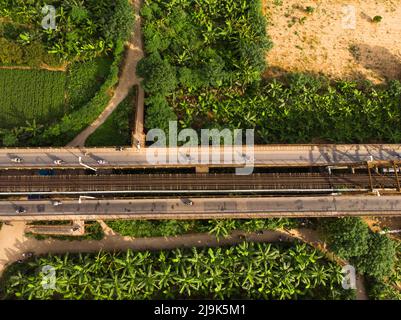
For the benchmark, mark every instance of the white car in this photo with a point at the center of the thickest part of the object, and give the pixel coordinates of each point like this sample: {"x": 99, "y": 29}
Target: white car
{"x": 16, "y": 159}
{"x": 101, "y": 161}
{"x": 20, "y": 210}
{"x": 58, "y": 161}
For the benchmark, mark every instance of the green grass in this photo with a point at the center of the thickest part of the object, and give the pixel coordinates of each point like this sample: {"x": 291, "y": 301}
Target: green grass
{"x": 27, "y": 95}
{"x": 85, "y": 79}
{"x": 46, "y": 96}
{"x": 116, "y": 131}
{"x": 168, "y": 228}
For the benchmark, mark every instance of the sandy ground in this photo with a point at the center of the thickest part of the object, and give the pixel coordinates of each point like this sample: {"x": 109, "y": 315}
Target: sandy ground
{"x": 335, "y": 41}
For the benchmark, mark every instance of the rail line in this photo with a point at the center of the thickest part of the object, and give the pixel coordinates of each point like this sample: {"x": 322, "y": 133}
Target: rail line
{"x": 196, "y": 183}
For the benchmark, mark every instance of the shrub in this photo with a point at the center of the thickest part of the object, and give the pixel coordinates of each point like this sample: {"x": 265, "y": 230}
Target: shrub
{"x": 347, "y": 237}
{"x": 158, "y": 75}
{"x": 10, "y": 52}
{"x": 378, "y": 261}
{"x": 377, "y": 19}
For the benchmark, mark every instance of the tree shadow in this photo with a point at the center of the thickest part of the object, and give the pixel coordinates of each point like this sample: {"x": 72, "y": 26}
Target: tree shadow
{"x": 377, "y": 59}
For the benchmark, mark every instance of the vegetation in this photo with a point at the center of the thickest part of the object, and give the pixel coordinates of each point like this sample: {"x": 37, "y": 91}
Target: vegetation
{"x": 379, "y": 260}
{"x": 116, "y": 131}
{"x": 89, "y": 40}
{"x": 390, "y": 289}
{"x": 210, "y": 77}
{"x": 377, "y": 19}
{"x": 348, "y": 237}
{"x": 220, "y": 228}
{"x": 33, "y": 99}
{"x": 85, "y": 80}
{"x": 301, "y": 109}
{"x": 30, "y": 97}
{"x": 195, "y": 45}
{"x": 256, "y": 271}
{"x": 84, "y": 29}
{"x": 374, "y": 255}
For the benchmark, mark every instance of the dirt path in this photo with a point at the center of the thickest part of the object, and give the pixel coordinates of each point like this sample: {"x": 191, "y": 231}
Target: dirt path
{"x": 62, "y": 68}
{"x": 127, "y": 80}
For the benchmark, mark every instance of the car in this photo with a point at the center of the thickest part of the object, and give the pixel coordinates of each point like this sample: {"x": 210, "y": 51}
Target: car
{"x": 247, "y": 158}
{"x": 56, "y": 203}
{"x": 138, "y": 146}
{"x": 16, "y": 159}
{"x": 119, "y": 148}
{"x": 58, "y": 161}
{"x": 101, "y": 161}
{"x": 187, "y": 202}
{"x": 20, "y": 210}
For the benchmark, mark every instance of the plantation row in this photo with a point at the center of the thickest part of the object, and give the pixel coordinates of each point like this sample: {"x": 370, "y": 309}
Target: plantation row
{"x": 301, "y": 109}
{"x": 245, "y": 271}
{"x": 84, "y": 30}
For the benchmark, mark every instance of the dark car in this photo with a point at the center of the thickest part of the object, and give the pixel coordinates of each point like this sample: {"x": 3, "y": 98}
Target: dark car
{"x": 20, "y": 210}
{"x": 187, "y": 202}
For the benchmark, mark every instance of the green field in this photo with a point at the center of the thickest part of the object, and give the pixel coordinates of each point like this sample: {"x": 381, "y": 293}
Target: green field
{"x": 28, "y": 95}
{"x": 116, "y": 130}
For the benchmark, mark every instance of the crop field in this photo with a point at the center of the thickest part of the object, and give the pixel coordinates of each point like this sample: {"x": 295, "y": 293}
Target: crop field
{"x": 245, "y": 271}
{"x": 31, "y": 95}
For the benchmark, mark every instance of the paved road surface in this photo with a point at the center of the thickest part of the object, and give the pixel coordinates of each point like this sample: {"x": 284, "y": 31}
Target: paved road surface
{"x": 284, "y": 156}
{"x": 205, "y": 208}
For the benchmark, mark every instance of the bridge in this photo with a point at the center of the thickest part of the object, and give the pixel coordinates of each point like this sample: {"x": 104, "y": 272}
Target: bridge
{"x": 261, "y": 156}
{"x": 218, "y": 183}
{"x": 202, "y": 208}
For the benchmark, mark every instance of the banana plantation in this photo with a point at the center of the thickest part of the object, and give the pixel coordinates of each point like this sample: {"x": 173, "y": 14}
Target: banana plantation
{"x": 194, "y": 44}
{"x": 83, "y": 30}
{"x": 301, "y": 109}
{"x": 248, "y": 270}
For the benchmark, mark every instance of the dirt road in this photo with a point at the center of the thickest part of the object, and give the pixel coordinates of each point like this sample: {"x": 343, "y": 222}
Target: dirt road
{"x": 127, "y": 80}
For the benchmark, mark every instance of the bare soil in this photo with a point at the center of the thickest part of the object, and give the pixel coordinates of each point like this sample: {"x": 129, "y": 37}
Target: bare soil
{"x": 322, "y": 40}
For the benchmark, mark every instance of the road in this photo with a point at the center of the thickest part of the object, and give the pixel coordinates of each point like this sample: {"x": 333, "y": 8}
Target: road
{"x": 272, "y": 155}
{"x": 203, "y": 208}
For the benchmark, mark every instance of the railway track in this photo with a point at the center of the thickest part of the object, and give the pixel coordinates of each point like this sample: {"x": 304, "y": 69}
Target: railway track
{"x": 195, "y": 183}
